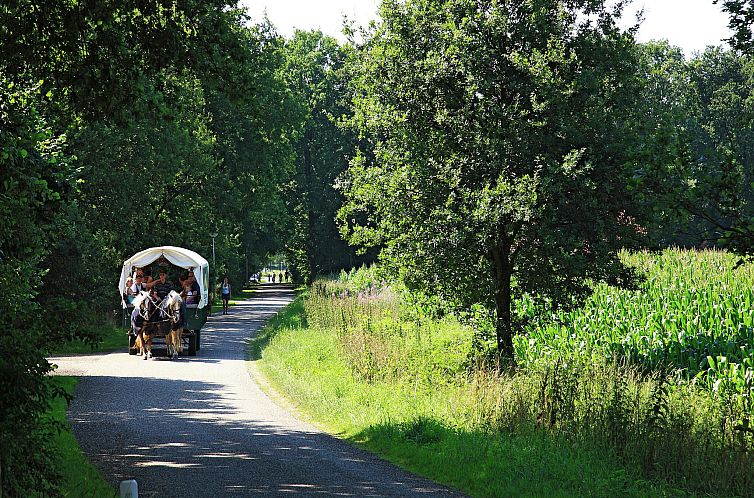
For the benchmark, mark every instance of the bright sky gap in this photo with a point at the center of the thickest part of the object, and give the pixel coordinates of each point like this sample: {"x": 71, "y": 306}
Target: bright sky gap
{"x": 689, "y": 24}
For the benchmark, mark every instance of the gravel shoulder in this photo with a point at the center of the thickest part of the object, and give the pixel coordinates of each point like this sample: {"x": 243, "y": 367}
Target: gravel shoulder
{"x": 201, "y": 426}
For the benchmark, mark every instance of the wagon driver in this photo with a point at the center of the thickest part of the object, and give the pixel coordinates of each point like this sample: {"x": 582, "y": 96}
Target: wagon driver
{"x": 162, "y": 286}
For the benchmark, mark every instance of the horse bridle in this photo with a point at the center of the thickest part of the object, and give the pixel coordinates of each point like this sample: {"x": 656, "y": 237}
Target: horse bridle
{"x": 163, "y": 307}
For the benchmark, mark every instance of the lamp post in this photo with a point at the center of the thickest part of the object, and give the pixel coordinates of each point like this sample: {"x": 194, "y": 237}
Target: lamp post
{"x": 213, "y": 235}
{"x": 212, "y": 285}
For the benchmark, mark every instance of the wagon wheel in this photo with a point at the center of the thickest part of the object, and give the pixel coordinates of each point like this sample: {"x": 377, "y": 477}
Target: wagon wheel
{"x": 192, "y": 342}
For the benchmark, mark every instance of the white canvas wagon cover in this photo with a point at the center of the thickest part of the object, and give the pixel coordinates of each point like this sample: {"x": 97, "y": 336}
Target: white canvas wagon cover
{"x": 178, "y": 256}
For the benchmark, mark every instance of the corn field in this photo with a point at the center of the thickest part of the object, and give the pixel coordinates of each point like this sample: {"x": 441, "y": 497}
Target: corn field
{"x": 692, "y": 317}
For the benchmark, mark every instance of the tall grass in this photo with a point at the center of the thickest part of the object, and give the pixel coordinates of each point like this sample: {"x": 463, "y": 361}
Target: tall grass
{"x": 588, "y": 395}
{"x": 378, "y": 343}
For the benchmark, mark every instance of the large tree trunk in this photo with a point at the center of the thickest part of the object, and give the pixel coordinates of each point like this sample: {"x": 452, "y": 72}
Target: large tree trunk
{"x": 501, "y": 256}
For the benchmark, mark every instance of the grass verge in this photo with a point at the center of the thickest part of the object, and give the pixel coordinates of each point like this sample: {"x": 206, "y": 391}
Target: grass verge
{"x": 113, "y": 339}
{"x": 80, "y": 478}
{"x": 428, "y": 426}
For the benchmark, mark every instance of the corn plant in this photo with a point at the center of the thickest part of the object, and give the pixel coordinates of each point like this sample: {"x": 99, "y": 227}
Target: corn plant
{"x": 693, "y": 316}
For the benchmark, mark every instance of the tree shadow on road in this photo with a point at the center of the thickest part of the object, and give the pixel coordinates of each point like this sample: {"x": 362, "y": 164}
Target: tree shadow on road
{"x": 184, "y": 438}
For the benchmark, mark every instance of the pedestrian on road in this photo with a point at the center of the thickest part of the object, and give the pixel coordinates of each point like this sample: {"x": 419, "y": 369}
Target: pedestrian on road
{"x": 225, "y": 294}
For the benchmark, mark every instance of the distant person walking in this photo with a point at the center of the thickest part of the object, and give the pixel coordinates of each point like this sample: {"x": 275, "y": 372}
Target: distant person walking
{"x": 225, "y": 294}
{"x": 273, "y": 278}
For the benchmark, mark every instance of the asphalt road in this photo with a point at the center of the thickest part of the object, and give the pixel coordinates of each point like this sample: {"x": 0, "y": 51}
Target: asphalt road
{"x": 201, "y": 427}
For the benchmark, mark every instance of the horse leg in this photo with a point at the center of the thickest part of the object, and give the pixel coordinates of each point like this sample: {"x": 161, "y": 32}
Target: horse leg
{"x": 179, "y": 335}
{"x": 148, "y": 342}
{"x": 177, "y": 341}
{"x": 170, "y": 343}
{"x": 146, "y": 345}
{"x": 139, "y": 343}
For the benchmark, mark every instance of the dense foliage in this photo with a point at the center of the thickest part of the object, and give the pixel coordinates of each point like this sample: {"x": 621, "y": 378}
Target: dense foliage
{"x": 124, "y": 126}
{"x": 34, "y": 180}
{"x": 497, "y": 154}
{"x": 317, "y": 72}
{"x": 741, "y": 14}
{"x": 503, "y": 149}
{"x": 698, "y": 119}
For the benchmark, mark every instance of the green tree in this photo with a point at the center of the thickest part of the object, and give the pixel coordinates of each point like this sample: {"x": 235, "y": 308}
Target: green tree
{"x": 35, "y": 178}
{"x": 253, "y": 119}
{"x": 318, "y": 74}
{"x": 148, "y": 183}
{"x": 722, "y": 167}
{"x": 101, "y": 57}
{"x": 503, "y": 135}
{"x": 123, "y": 126}
{"x": 741, "y": 14}
{"x": 666, "y": 126}
{"x": 698, "y": 145}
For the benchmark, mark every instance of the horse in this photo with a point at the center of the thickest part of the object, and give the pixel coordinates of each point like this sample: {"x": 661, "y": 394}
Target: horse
{"x": 143, "y": 323}
{"x": 175, "y": 311}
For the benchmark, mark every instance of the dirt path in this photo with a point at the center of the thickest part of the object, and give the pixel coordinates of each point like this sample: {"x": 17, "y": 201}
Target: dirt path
{"x": 201, "y": 427}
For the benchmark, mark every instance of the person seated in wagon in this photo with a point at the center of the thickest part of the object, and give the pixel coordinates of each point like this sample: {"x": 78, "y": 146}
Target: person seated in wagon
{"x": 129, "y": 293}
{"x": 161, "y": 285}
{"x": 189, "y": 288}
{"x": 145, "y": 278}
{"x": 134, "y": 286}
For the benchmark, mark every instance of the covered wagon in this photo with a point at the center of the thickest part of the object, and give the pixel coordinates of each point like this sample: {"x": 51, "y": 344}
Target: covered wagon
{"x": 174, "y": 261}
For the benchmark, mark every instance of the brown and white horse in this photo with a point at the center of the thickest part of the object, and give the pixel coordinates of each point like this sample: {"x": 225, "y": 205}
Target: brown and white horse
{"x": 143, "y": 324}
{"x": 173, "y": 306}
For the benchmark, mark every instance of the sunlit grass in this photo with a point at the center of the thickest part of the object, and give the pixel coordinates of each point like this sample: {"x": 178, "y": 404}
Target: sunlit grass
{"x": 412, "y": 391}
{"x": 113, "y": 339}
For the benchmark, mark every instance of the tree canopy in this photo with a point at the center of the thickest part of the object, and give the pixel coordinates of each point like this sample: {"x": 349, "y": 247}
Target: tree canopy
{"x": 124, "y": 126}
{"x": 502, "y": 139}
{"x": 317, "y": 70}
{"x": 741, "y": 14}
